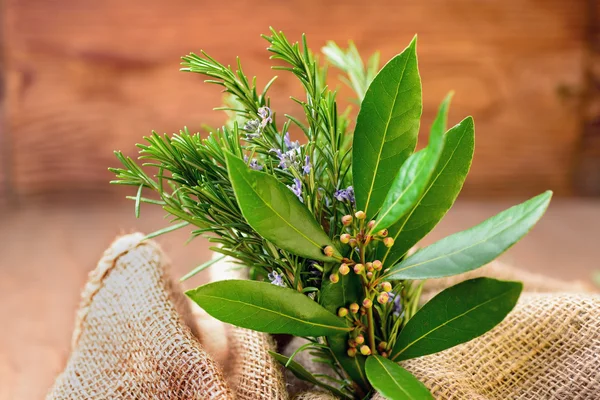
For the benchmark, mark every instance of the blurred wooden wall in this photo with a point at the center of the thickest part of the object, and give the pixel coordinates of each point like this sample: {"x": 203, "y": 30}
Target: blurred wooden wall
{"x": 83, "y": 78}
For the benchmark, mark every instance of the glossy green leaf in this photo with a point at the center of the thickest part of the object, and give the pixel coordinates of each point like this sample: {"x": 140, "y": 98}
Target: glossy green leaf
{"x": 275, "y": 212}
{"x": 414, "y": 175}
{"x": 386, "y": 129}
{"x": 444, "y": 186}
{"x": 264, "y": 307}
{"x": 341, "y": 294}
{"x": 467, "y": 250}
{"x": 394, "y": 382}
{"x": 301, "y": 373}
{"x": 456, "y": 315}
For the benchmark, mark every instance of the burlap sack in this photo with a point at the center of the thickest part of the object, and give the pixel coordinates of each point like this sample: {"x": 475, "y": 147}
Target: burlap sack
{"x": 130, "y": 341}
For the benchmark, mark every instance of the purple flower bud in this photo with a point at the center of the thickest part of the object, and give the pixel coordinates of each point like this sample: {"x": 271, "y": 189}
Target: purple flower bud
{"x": 253, "y": 164}
{"x": 289, "y": 144}
{"x": 397, "y": 307}
{"x": 307, "y": 166}
{"x": 345, "y": 195}
{"x": 276, "y": 279}
{"x": 264, "y": 112}
{"x": 296, "y": 188}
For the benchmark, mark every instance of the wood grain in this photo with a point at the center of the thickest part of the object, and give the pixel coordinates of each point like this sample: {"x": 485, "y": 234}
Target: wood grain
{"x": 87, "y": 77}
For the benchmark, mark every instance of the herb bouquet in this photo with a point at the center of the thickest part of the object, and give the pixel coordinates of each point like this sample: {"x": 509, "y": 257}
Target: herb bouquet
{"x": 326, "y": 227}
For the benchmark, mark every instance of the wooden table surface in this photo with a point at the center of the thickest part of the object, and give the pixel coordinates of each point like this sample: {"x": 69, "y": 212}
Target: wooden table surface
{"x": 47, "y": 252}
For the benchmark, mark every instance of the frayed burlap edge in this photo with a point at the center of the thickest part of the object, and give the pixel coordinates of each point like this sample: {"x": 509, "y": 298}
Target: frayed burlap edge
{"x": 129, "y": 339}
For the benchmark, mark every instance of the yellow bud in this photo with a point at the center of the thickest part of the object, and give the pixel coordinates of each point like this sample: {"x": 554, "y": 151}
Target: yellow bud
{"x": 381, "y": 346}
{"x": 351, "y": 352}
{"x": 369, "y": 275}
{"x": 360, "y": 339}
{"x": 369, "y": 266}
{"x": 344, "y": 269}
{"x": 363, "y": 311}
{"x": 386, "y": 287}
{"x": 367, "y": 303}
{"x": 388, "y": 242}
{"x": 328, "y": 251}
{"x": 352, "y": 342}
{"x": 334, "y": 278}
{"x": 371, "y": 224}
{"x": 342, "y": 312}
{"x": 347, "y": 220}
{"x": 360, "y": 215}
{"x": 345, "y": 238}
{"x": 352, "y": 243}
{"x": 365, "y": 350}
{"x": 359, "y": 268}
{"x": 377, "y": 265}
{"x": 354, "y": 308}
{"x": 383, "y": 298}
{"x": 383, "y": 232}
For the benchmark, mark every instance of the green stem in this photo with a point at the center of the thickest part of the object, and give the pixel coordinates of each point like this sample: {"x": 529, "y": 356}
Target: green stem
{"x": 371, "y": 330}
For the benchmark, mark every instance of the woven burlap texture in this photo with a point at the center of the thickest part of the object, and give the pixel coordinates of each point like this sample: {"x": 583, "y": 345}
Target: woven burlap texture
{"x": 130, "y": 341}
{"x": 253, "y": 372}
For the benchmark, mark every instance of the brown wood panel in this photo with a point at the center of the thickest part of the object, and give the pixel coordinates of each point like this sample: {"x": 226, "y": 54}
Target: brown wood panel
{"x": 86, "y": 77}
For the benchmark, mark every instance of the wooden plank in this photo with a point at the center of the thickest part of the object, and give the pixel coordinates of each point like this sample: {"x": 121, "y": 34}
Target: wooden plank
{"x": 588, "y": 161}
{"x": 85, "y": 78}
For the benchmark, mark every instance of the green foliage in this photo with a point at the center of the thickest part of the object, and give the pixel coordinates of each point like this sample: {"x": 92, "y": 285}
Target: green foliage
{"x": 275, "y": 212}
{"x": 411, "y": 181}
{"x": 329, "y": 221}
{"x": 456, "y": 315}
{"x": 266, "y": 308}
{"x": 441, "y": 192}
{"x": 393, "y": 381}
{"x": 386, "y": 129}
{"x": 477, "y": 246}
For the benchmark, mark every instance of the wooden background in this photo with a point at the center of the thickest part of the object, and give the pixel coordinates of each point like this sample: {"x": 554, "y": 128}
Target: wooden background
{"x": 83, "y": 78}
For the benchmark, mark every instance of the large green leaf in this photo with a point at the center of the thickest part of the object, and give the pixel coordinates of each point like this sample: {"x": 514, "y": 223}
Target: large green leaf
{"x": 456, "y": 315}
{"x": 394, "y": 382}
{"x": 467, "y": 250}
{"x": 386, "y": 129}
{"x": 275, "y": 212}
{"x": 414, "y": 175}
{"x": 264, "y": 307}
{"x": 443, "y": 188}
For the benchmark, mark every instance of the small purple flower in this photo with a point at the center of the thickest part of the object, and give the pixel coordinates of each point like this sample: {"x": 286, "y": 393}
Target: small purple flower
{"x": 265, "y": 114}
{"x": 289, "y": 144}
{"x": 297, "y": 189}
{"x": 307, "y": 166}
{"x": 253, "y": 164}
{"x": 287, "y": 159}
{"x": 345, "y": 195}
{"x": 397, "y": 307}
{"x": 276, "y": 279}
